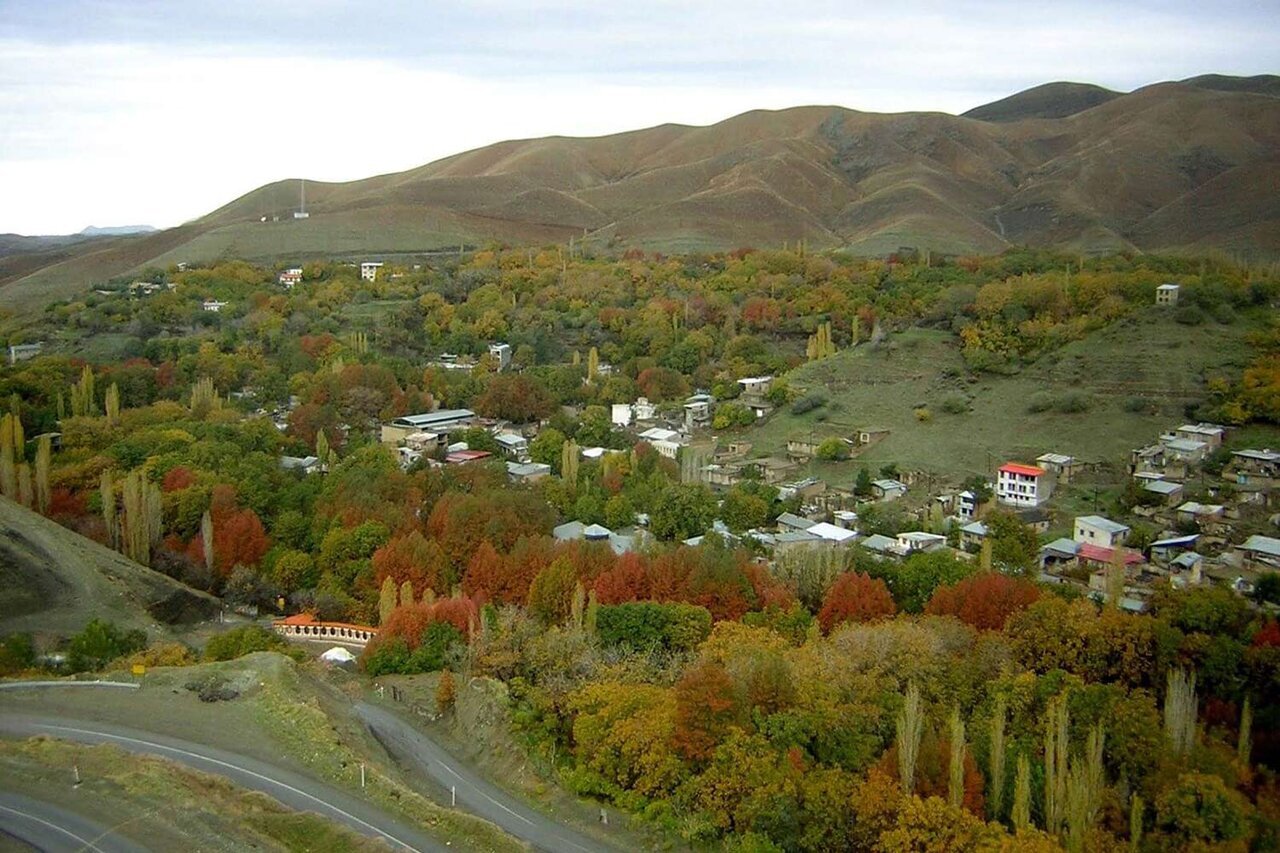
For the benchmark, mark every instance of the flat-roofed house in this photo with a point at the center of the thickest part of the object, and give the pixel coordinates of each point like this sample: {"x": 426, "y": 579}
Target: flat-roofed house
{"x": 440, "y": 421}
{"x": 1096, "y": 530}
{"x": 1023, "y": 485}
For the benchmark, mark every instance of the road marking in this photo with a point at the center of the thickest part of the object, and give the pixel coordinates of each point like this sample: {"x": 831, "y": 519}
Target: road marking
{"x": 89, "y": 845}
{"x": 238, "y": 768}
{"x": 17, "y": 685}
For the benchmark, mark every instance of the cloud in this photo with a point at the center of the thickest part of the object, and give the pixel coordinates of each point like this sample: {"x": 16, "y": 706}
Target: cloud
{"x": 149, "y": 112}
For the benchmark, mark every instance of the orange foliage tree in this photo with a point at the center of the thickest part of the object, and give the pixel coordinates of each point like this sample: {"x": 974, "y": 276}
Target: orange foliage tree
{"x": 855, "y": 597}
{"x": 985, "y": 601}
{"x": 410, "y": 557}
{"x": 707, "y": 704}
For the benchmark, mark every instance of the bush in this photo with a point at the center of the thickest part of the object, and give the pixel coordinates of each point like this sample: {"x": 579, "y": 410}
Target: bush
{"x": 1073, "y": 402}
{"x": 923, "y": 415}
{"x": 239, "y": 642}
{"x": 167, "y": 654}
{"x": 808, "y": 403}
{"x": 955, "y": 404}
{"x": 643, "y": 625}
{"x": 832, "y": 450}
{"x": 1041, "y": 401}
{"x": 101, "y": 642}
{"x": 17, "y": 653}
{"x": 1189, "y": 315}
{"x": 1139, "y": 406}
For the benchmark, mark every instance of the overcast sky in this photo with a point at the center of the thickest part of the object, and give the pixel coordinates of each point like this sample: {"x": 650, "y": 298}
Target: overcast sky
{"x": 117, "y": 112}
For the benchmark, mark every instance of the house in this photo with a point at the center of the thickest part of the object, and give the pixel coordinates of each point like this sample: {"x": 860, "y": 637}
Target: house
{"x": 882, "y": 545}
{"x": 22, "y": 352}
{"x": 791, "y": 521}
{"x": 144, "y": 288}
{"x": 1168, "y": 491}
{"x": 1023, "y": 485}
{"x": 653, "y": 434}
{"x": 304, "y": 464}
{"x": 501, "y": 355}
{"x": 871, "y": 435}
{"x": 527, "y": 472}
{"x": 846, "y": 519}
{"x": 887, "y": 489}
{"x": 461, "y": 457}
{"x": 1164, "y": 551}
{"x": 619, "y": 542}
{"x": 917, "y": 540}
{"x": 806, "y": 489}
{"x": 1094, "y": 557}
{"x": 644, "y": 410}
{"x": 513, "y": 446}
{"x": 1167, "y": 294}
{"x": 966, "y": 505}
{"x": 1147, "y": 460}
{"x": 1254, "y": 469}
{"x": 972, "y": 534}
{"x": 833, "y": 533}
{"x": 770, "y": 469}
{"x": 798, "y": 540}
{"x": 620, "y": 414}
{"x": 721, "y": 476}
{"x": 1062, "y": 467}
{"x": 754, "y": 394}
{"x": 1210, "y": 434}
{"x": 1099, "y": 531}
{"x": 439, "y": 421}
{"x": 1059, "y": 554}
{"x": 369, "y": 270}
{"x": 1189, "y": 451}
{"x": 213, "y": 305}
{"x": 1035, "y": 517}
{"x": 1198, "y": 513}
{"x": 408, "y": 456}
{"x": 289, "y": 278}
{"x": 1261, "y": 553}
{"x": 698, "y": 411}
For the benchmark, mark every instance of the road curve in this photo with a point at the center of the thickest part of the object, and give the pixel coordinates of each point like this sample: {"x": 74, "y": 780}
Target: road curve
{"x": 292, "y": 789}
{"x": 421, "y": 754}
{"x": 54, "y": 829}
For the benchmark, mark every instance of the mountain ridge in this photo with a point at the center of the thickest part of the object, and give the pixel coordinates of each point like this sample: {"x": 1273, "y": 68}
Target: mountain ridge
{"x": 1181, "y": 165}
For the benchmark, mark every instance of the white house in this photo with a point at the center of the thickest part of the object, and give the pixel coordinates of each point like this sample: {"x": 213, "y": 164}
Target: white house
{"x": 888, "y": 490}
{"x": 513, "y": 446}
{"x": 501, "y": 354}
{"x": 213, "y": 305}
{"x": 369, "y": 270}
{"x": 1096, "y": 530}
{"x": 620, "y": 414}
{"x": 290, "y": 277}
{"x": 1167, "y": 294}
{"x": 1023, "y": 485}
{"x": 22, "y": 352}
{"x": 918, "y": 540}
{"x": 644, "y": 410}
{"x": 1210, "y": 434}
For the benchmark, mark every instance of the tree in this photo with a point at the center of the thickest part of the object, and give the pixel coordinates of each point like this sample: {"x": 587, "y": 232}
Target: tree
{"x": 742, "y": 509}
{"x": 551, "y": 593}
{"x": 386, "y": 599}
{"x": 832, "y": 450}
{"x": 100, "y": 643}
{"x": 446, "y": 692}
{"x": 922, "y": 573}
{"x": 862, "y": 485}
{"x": 113, "y": 405}
{"x": 1201, "y": 808}
{"x": 909, "y": 727}
{"x": 547, "y": 447}
{"x": 855, "y": 597}
{"x": 1014, "y": 545}
{"x": 985, "y": 601}
{"x": 44, "y": 454}
{"x": 684, "y": 511}
{"x": 707, "y": 704}
{"x": 411, "y": 557}
{"x": 1180, "y": 710}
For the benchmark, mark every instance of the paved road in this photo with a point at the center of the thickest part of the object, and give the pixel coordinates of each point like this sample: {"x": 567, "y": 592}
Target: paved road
{"x": 54, "y": 829}
{"x": 292, "y": 789}
{"x": 419, "y": 753}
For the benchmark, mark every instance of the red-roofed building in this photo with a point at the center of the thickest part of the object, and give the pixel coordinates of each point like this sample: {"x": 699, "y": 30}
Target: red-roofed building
{"x": 458, "y": 457}
{"x": 1023, "y": 485}
{"x": 1101, "y": 556}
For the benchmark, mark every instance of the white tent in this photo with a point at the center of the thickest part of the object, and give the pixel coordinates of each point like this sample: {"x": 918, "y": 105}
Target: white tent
{"x": 338, "y": 655}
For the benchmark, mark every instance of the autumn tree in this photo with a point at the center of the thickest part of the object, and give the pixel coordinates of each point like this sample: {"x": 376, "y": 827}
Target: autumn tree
{"x": 707, "y": 704}
{"x": 855, "y": 597}
{"x": 985, "y": 601}
{"x": 446, "y": 692}
{"x": 551, "y": 593}
{"x": 411, "y": 557}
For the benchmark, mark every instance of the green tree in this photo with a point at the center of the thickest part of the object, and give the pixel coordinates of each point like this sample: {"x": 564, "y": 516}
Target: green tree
{"x": 551, "y": 593}
{"x": 100, "y": 643}
{"x": 684, "y": 511}
{"x": 1200, "y": 808}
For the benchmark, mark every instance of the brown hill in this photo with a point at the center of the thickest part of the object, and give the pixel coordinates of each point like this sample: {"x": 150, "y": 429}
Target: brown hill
{"x": 1191, "y": 165}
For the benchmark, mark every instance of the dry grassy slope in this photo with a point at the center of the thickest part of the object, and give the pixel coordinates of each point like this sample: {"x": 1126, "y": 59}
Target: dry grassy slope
{"x": 53, "y": 580}
{"x": 1190, "y": 164}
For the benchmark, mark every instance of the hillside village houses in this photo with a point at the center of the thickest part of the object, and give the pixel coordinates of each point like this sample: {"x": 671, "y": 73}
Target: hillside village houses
{"x": 1023, "y": 485}
{"x": 290, "y": 277}
{"x": 369, "y": 270}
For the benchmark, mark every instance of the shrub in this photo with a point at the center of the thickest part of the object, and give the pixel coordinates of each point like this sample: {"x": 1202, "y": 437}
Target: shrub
{"x": 832, "y": 449}
{"x": 17, "y": 653}
{"x": 808, "y": 403}
{"x": 923, "y": 415}
{"x": 1189, "y": 315}
{"x": 954, "y": 404}
{"x": 1073, "y": 402}
{"x": 642, "y": 625}
{"x": 1041, "y": 401}
{"x": 1138, "y": 406}
{"x": 242, "y": 641}
{"x": 167, "y": 654}
{"x": 101, "y": 642}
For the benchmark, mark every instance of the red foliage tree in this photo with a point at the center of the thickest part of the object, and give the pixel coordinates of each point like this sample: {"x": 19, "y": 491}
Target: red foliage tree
{"x": 627, "y": 581}
{"x": 407, "y": 622}
{"x": 177, "y": 479}
{"x": 855, "y": 597}
{"x": 486, "y": 574}
{"x": 410, "y": 557}
{"x": 1268, "y": 635}
{"x": 985, "y": 601}
{"x": 239, "y": 539}
{"x": 707, "y": 704}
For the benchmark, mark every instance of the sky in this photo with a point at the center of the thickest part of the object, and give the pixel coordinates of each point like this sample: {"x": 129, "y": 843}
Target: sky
{"x": 122, "y": 112}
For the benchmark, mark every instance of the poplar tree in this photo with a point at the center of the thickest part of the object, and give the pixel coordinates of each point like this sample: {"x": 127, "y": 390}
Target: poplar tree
{"x": 113, "y": 404}
{"x": 995, "y": 768}
{"x": 909, "y": 726}
{"x": 1055, "y": 764}
{"x": 1244, "y": 745}
{"x": 1021, "y": 815}
{"x": 569, "y": 462}
{"x": 44, "y": 455}
{"x": 206, "y": 538}
{"x": 386, "y": 600}
{"x": 406, "y": 594}
{"x": 26, "y": 494}
{"x": 1180, "y": 710}
{"x": 955, "y": 780}
{"x": 107, "y": 492}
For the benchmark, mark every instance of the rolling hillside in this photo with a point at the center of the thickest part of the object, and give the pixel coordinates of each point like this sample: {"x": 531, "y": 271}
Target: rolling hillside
{"x": 1147, "y": 359}
{"x": 1194, "y": 164}
{"x": 54, "y": 581}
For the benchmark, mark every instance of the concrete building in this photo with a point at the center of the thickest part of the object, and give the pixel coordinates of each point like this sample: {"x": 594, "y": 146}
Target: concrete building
{"x": 369, "y": 270}
{"x": 1096, "y": 530}
{"x": 1167, "y": 294}
{"x": 1023, "y": 485}
{"x": 22, "y": 352}
{"x": 501, "y": 355}
{"x": 439, "y": 422}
